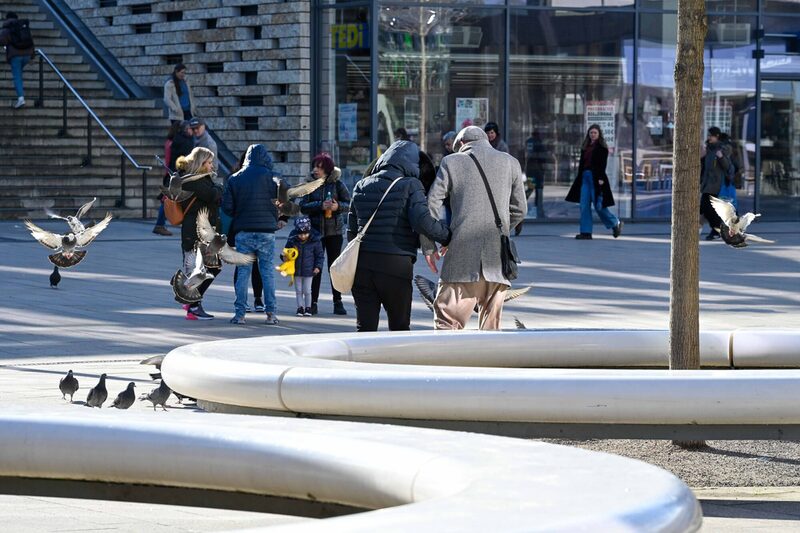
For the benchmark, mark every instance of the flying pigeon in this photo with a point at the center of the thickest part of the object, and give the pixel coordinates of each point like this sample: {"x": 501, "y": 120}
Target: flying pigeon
{"x": 55, "y": 277}
{"x": 428, "y": 289}
{"x": 286, "y": 194}
{"x": 174, "y": 190}
{"x": 98, "y": 393}
{"x": 217, "y": 244}
{"x": 183, "y": 294}
{"x": 68, "y": 385}
{"x": 199, "y": 274}
{"x": 67, "y": 246}
{"x": 125, "y": 398}
{"x": 158, "y": 396}
{"x": 74, "y": 222}
{"x": 733, "y": 231}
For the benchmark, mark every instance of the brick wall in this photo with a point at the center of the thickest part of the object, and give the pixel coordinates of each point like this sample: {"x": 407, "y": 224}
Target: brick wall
{"x": 248, "y": 62}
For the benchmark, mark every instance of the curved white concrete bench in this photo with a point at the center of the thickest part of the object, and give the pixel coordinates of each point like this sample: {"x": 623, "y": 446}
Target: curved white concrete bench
{"x": 427, "y": 375}
{"x": 421, "y": 480}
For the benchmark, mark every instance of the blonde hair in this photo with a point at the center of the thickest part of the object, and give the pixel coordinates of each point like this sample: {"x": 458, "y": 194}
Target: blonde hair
{"x": 192, "y": 163}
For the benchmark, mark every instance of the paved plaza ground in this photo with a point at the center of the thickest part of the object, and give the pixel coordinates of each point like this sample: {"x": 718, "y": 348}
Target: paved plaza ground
{"x": 116, "y": 308}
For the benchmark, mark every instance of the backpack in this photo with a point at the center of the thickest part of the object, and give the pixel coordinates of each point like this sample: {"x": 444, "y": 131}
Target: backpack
{"x": 21, "y": 37}
{"x": 174, "y": 211}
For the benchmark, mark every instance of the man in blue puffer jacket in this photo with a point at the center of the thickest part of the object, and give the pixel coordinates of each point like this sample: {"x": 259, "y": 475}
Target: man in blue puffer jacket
{"x": 389, "y": 246}
{"x": 249, "y": 200}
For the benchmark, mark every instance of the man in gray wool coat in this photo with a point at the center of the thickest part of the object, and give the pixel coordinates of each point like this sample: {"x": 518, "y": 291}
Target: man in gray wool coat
{"x": 471, "y": 270}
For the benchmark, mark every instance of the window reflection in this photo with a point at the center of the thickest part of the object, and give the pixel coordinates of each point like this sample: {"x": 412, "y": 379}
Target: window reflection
{"x": 345, "y": 89}
{"x": 568, "y": 70}
{"x": 440, "y": 69}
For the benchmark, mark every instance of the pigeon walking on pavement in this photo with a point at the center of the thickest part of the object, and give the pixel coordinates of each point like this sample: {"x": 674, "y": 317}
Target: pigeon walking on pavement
{"x": 733, "y": 232}
{"x": 428, "y": 289}
{"x": 98, "y": 394}
{"x": 125, "y": 398}
{"x": 55, "y": 277}
{"x": 67, "y": 246}
{"x": 68, "y": 385}
{"x": 158, "y": 396}
{"x": 74, "y": 223}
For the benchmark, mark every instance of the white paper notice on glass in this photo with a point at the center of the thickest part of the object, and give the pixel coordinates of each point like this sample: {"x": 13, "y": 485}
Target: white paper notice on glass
{"x": 604, "y": 114}
{"x": 347, "y": 122}
{"x": 471, "y": 112}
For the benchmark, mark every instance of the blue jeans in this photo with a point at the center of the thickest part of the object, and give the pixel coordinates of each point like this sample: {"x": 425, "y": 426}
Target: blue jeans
{"x": 589, "y": 199}
{"x": 263, "y": 245}
{"x": 162, "y": 218}
{"x": 17, "y": 64}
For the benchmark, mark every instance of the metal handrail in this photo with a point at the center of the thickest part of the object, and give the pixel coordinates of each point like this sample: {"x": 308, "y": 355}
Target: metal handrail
{"x": 91, "y": 115}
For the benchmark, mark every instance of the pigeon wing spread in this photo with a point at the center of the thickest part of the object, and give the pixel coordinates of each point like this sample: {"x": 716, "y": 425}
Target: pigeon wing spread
{"x": 231, "y": 256}
{"x": 205, "y": 231}
{"x": 746, "y": 219}
{"x": 427, "y": 289}
{"x": 516, "y": 293}
{"x": 85, "y": 208}
{"x": 45, "y": 238}
{"x": 304, "y": 188}
{"x": 182, "y": 293}
{"x": 89, "y": 234}
{"x": 519, "y": 324}
{"x": 725, "y": 210}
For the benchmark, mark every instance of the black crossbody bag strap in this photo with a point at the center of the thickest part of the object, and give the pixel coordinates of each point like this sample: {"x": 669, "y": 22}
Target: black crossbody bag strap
{"x": 489, "y": 192}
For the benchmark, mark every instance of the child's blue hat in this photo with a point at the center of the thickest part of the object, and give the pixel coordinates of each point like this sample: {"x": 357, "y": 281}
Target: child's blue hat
{"x": 302, "y": 224}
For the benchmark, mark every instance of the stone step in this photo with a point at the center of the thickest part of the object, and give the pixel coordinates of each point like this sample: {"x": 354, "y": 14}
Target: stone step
{"x": 153, "y": 123}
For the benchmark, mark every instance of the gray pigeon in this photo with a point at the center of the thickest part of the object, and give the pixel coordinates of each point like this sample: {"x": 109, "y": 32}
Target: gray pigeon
{"x": 158, "y": 396}
{"x": 67, "y": 246}
{"x": 98, "y": 394}
{"x": 183, "y": 294}
{"x": 217, "y": 244}
{"x": 68, "y": 385}
{"x": 286, "y": 194}
{"x": 125, "y": 398}
{"x": 428, "y": 289}
{"x": 74, "y": 223}
{"x": 733, "y": 232}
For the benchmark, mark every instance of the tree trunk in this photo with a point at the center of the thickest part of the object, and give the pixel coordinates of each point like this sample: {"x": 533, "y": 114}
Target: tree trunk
{"x": 684, "y": 301}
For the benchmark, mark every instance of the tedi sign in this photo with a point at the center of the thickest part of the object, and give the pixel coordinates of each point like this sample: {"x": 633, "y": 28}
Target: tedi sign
{"x": 349, "y": 36}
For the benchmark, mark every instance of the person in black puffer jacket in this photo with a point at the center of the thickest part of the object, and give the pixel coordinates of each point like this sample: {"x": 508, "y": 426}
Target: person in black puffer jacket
{"x": 308, "y": 264}
{"x": 389, "y": 247}
{"x": 325, "y": 208}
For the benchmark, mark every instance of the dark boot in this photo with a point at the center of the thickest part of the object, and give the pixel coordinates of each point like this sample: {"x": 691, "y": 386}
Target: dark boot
{"x": 338, "y": 308}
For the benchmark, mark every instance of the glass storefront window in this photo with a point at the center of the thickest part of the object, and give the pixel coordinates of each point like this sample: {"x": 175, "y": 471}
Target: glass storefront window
{"x": 572, "y": 3}
{"x": 712, "y": 6}
{"x": 440, "y": 69}
{"x": 568, "y": 70}
{"x": 782, "y": 6}
{"x": 344, "y": 97}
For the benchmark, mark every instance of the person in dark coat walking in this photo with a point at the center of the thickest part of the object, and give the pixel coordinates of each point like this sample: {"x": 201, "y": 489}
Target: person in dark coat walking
{"x": 591, "y": 187}
{"x": 716, "y": 169}
{"x": 196, "y": 173}
{"x": 389, "y": 247}
{"x": 17, "y": 54}
{"x": 308, "y": 264}
{"x": 326, "y": 208}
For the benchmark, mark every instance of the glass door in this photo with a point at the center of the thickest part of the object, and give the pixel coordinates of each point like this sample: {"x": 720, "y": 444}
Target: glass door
{"x": 779, "y": 186}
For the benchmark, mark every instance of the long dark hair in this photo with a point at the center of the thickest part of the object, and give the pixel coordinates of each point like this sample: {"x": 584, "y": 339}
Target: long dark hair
{"x": 175, "y": 80}
{"x": 600, "y": 140}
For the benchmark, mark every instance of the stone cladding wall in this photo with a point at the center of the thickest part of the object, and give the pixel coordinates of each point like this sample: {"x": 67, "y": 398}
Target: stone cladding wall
{"x": 248, "y": 62}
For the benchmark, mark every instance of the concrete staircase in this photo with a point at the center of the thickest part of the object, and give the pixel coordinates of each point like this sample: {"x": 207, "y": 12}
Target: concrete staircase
{"x": 39, "y": 168}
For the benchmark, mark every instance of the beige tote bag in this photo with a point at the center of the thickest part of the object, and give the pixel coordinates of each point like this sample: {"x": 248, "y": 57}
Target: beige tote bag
{"x": 343, "y": 270}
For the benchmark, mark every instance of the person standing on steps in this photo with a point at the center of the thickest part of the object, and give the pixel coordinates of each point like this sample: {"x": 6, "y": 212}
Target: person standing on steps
{"x": 326, "y": 208}
{"x": 15, "y": 35}
{"x": 591, "y": 187}
{"x": 203, "y": 138}
{"x": 178, "y": 95}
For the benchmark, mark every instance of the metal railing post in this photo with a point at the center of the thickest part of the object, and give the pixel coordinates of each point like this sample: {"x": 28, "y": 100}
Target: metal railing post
{"x": 144, "y": 193}
{"x": 40, "y": 99}
{"x": 63, "y": 132}
{"x": 88, "y": 160}
{"x": 121, "y": 202}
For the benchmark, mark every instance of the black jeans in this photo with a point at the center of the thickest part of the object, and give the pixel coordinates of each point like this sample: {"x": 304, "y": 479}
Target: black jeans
{"x": 371, "y": 289}
{"x": 708, "y": 211}
{"x": 333, "y": 248}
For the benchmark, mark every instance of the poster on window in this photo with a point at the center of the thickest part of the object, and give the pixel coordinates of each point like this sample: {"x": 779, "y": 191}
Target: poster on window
{"x": 604, "y": 114}
{"x": 719, "y": 115}
{"x": 347, "y": 122}
{"x": 471, "y": 112}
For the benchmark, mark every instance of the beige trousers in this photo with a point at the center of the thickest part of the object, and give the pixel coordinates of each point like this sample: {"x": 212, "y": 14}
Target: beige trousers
{"x": 455, "y": 303}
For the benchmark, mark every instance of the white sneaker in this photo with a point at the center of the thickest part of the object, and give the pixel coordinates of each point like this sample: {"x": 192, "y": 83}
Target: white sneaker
{"x": 20, "y": 102}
